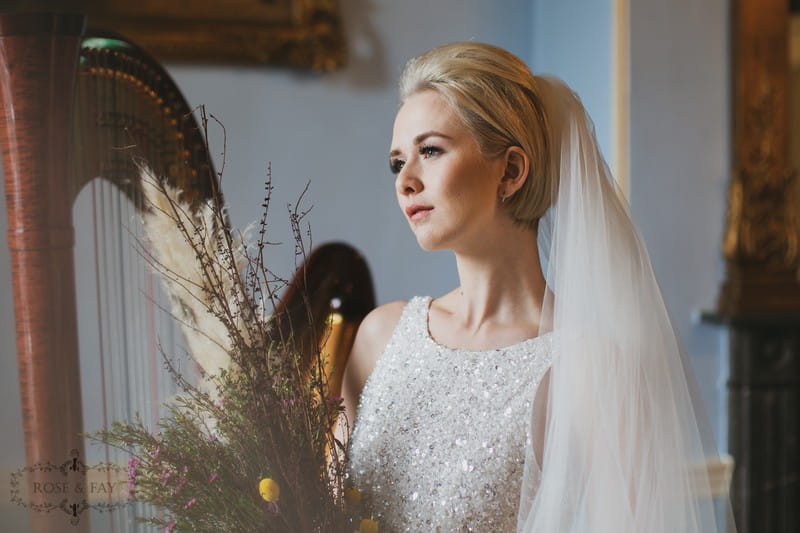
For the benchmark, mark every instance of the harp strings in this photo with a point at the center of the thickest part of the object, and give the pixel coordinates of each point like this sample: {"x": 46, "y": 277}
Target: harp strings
{"x": 123, "y": 315}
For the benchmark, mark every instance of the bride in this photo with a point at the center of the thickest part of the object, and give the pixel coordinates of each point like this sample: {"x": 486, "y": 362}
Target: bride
{"x": 547, "y": 392}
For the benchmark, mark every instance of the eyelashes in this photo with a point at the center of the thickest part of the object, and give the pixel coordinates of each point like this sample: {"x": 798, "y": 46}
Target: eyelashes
{"x": 425, "y": 150}
{"x": 428, "y": 151}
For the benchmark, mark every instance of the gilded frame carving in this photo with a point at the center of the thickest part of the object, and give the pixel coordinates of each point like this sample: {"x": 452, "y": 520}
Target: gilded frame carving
{"x": 762, "y": 233}
{"x": 295, "y": 33}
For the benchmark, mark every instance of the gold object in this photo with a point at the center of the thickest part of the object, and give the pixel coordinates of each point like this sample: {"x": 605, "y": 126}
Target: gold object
{"x": 762, "y": 232}
{"x": 294, "y": 33}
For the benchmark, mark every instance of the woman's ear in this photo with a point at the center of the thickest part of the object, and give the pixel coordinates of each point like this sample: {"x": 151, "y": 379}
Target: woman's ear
{"x": 516, "y": 170}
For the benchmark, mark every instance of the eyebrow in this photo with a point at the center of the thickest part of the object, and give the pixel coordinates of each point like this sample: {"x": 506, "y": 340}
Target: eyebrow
{"x": 421, "y": 137}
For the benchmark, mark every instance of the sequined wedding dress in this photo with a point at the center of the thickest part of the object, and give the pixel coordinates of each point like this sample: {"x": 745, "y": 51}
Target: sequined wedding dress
{"x": 439, "y": 440}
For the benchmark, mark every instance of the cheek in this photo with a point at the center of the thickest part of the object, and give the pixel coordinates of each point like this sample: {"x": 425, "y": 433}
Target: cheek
{"x": 475, "y": 188}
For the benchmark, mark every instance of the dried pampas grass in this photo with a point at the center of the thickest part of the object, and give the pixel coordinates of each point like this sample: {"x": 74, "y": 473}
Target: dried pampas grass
{"x": 177, "y": 260}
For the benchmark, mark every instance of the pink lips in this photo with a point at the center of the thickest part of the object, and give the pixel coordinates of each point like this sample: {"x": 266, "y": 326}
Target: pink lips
{"x": 417, "y": 212}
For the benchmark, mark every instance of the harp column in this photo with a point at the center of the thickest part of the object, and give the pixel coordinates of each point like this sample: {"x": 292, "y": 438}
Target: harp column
{"x": 38, "y": 56}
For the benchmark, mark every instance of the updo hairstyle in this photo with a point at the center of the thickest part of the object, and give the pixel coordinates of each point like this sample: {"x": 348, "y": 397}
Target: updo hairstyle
{"x": 495, "y": 96}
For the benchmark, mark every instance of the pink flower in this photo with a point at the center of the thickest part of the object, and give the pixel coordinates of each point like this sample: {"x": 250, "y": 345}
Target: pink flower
{"x": 170, "y": 526}
{"x": 191, "y": 502}
{"x": 133, "y": 462}
{"x": 212, "y": 477}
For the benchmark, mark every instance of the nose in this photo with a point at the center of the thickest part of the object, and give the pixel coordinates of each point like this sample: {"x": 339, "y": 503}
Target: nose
{"x": 408, "y": 180}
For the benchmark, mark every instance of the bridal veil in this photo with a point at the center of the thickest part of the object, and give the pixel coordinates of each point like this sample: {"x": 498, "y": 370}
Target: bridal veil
{"x": 625, "y": 440}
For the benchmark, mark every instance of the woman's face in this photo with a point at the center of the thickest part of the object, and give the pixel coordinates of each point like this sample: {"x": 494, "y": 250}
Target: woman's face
{"x": 447, "y": 189}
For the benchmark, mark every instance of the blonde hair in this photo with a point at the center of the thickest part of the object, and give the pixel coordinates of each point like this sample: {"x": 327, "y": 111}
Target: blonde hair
{"x": 495, "y": 95}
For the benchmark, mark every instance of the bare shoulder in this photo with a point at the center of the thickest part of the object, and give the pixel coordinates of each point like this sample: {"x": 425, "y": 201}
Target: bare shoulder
{"x": 372, "y": 336}
{"x": 382, "y": 318}
{"x": 375, "y": 331}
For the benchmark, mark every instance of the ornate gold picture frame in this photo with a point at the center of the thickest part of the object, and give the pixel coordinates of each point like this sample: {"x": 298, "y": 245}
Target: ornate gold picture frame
{"x": 295, "y": 33}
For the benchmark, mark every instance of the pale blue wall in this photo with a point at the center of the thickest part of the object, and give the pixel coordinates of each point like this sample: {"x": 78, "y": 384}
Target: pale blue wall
{"x": 571, "y": 39}
{"x": 679, "y": 146}
{"x": 335, "y": 129}
{"x": 679, "y": 167}
{"x": 331, "y": 129}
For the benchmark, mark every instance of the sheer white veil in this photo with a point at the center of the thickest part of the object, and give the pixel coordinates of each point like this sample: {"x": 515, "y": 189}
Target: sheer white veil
{"x": 625, "y": 440}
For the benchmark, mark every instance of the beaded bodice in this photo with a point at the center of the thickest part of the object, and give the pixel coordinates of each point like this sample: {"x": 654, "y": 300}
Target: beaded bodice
{"x": 439, "y": 440}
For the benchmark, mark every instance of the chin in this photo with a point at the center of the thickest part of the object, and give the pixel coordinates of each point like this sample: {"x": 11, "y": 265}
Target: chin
{"x": 431, "y": 238}
{"x": 429, "y": 244}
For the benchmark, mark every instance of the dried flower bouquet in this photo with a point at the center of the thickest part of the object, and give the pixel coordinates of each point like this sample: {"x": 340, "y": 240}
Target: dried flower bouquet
{"x": 252, "y": 447}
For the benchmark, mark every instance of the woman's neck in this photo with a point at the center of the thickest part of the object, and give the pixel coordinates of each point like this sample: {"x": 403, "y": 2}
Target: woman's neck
{"x": 501, "y": 281}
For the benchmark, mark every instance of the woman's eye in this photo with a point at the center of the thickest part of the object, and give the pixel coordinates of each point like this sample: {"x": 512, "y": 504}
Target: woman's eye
{"x": 429, "y": 151}
{"x": 396, "y": 165}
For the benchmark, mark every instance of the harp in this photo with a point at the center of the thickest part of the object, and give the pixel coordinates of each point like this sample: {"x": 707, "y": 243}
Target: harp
{"x": 76, "y": 108}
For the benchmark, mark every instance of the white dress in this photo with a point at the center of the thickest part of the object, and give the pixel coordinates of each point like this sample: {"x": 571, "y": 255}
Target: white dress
{"x": 439, "y": 440}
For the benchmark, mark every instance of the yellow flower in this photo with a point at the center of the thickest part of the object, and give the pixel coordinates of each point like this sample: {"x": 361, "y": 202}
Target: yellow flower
{"x": 368, "y": 526}
{"x": 352, "y": 496}
{"x": 269, "y": 490}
